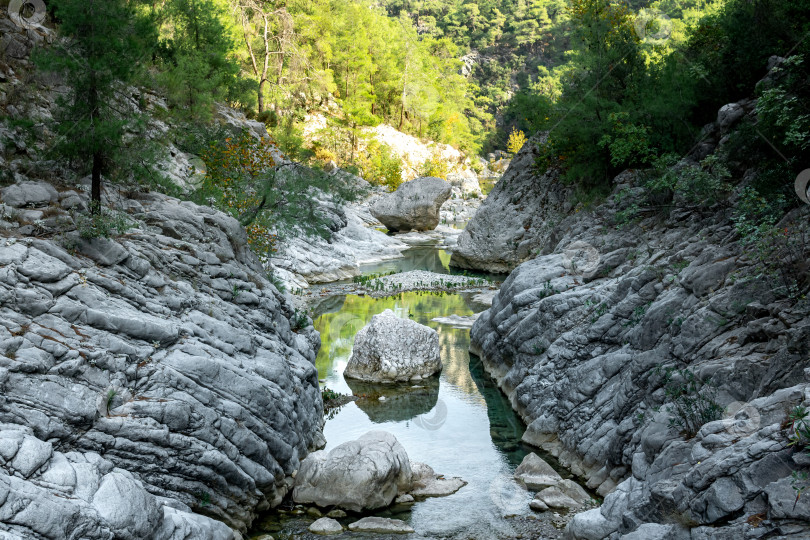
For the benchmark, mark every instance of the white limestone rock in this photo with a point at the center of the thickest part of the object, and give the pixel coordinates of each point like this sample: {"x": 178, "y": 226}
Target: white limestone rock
{"x": 414, "y": 205}
{"x": 358, "y": 475}
{"x": 391, "y": 349}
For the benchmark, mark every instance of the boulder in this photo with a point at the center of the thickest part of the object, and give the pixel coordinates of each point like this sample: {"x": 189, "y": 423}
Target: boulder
{"x": 567, "y": 494}
{"x": 536, "y": 474}
{"x": 391, "y": 349}
{"x": 512, "y": 224}
{"x": 29, "y": 194}
{"x": 380, "y": 525}
{"x": 414, "y": 205}
{"x": 426, "y": 483}
{"x": 358, "y": 475}
{"x": 326, "y": 526}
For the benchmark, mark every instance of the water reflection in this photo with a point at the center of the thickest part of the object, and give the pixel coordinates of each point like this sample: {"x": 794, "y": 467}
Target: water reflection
{"x": 417, "y": 258}
{"x": 402, "y": 401}
{"x": 458, "y": 423}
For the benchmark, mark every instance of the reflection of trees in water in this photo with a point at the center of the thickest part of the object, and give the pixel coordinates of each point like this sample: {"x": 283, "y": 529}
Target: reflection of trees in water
{"x": 338, "y": 328}
{"x": 454, "y": 344}
{"x": 505, "y": 427}
{"x": 402, "y": 401}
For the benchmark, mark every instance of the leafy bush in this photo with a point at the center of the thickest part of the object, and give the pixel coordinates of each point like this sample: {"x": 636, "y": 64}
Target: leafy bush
{"x": 627, "y": 142}
{"x": 782, "y": 109}
{"x": 516, "y": 141}
{"x": 781, "y": 249}
{"x": 434, "y": 166}
{"x": 234, "y": 171}
{"x": 382, "y": 167}
{"x": 102, "y": 223}
{"x": 691, "y": 400}
{"x": 700, "y": 185}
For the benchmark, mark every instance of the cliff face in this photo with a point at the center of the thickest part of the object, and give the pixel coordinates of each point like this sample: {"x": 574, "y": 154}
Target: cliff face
{"x": 575, "y": 336}
{"x": 514, "y": 222}
{"x": 145, "y": 379}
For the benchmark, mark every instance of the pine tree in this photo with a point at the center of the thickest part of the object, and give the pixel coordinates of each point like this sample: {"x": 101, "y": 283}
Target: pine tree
{"x": 107, "y": 42}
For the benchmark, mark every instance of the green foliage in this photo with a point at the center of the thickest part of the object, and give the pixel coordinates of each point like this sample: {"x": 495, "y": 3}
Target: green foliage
{"x": 382, "y": 167}
{"x": 244, "y": 180}
{"x": 782, "y": 107}
{"x": 197, "y": 59}
{"x": 799, "y": 428}
{"x": 781, "y": 248}
{"x": 628, "y": 143}
{"x": 701, "y": 185}
{"x": 299, "y": 320}
{"x": 691, "y": 400}
{"x": 107, "y": 44}
{"x": 102, "y": 222}
{"x": 434, "y": 166}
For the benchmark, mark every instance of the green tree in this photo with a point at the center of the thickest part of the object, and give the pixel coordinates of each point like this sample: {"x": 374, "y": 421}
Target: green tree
{"x": 108, "y": 42}
{"x": 198, "y": 56}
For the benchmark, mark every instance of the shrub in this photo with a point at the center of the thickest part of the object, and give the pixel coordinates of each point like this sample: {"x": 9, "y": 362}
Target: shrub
{"x": 382, "y": 167}
{"x": 234, "y": 170}
{"x": 434, "y": 166}
{"x": 102, "y": 223}
{"x": 700, "y": 185}
{"x": 516, "y": 141}
{"x": 691, "y": 400}
{"x": 781, "y": 249}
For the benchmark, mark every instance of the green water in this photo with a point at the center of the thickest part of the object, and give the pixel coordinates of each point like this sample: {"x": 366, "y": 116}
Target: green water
{"x": 459, "y": 423}
{"x": 487, "y": 184}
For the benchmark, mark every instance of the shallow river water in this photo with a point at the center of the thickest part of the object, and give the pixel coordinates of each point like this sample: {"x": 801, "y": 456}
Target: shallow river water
{"x": 459, "y": 423}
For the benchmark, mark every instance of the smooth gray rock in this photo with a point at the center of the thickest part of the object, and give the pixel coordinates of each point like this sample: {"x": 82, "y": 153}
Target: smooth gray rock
{"x": 29, "y": 194}
{"x": 380, "y": 525}
{"x": 326, "y": 526}
{"x": 426, "y": 483}
{"x": 390, "y": 349}
{"x": 358, "y": 475}
{"x": 413, "y": 206}
{"x": 536, "y": 474}
{"x": 513, "y": 223}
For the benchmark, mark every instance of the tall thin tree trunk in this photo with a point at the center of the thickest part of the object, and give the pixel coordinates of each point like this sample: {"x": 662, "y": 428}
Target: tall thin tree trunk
{"x": 95, "y": 177}
{"x": 261, "y": 95}
{"x": 95, "y": 189}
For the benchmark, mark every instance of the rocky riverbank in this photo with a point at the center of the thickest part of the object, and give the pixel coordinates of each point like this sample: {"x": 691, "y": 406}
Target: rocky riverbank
{"x": 593, "y": 338}
{"x": 148, "y": 380}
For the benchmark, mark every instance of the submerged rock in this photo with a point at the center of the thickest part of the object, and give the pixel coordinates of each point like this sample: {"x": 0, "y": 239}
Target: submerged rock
{"x": 393, "y": 349}
{"x": 380, "y": 525}
{"x": 414, "y": 205}
{"x": 358, "y": 475}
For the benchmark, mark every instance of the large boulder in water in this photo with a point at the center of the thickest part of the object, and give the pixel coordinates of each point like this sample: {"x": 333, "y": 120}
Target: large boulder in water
{"x": 414, "y": 205}
{"x": 357, "y": 475}
{"x": 391, "y": 349}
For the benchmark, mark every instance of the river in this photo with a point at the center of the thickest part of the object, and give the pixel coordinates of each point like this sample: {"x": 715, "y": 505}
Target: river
{"x": 460, "y": 423}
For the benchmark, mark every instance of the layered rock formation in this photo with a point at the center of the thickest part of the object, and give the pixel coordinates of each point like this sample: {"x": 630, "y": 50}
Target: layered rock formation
{"x": 578, "y": 336}
{"x": 145, "y": 379}
{"x": 515, "y": 221}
